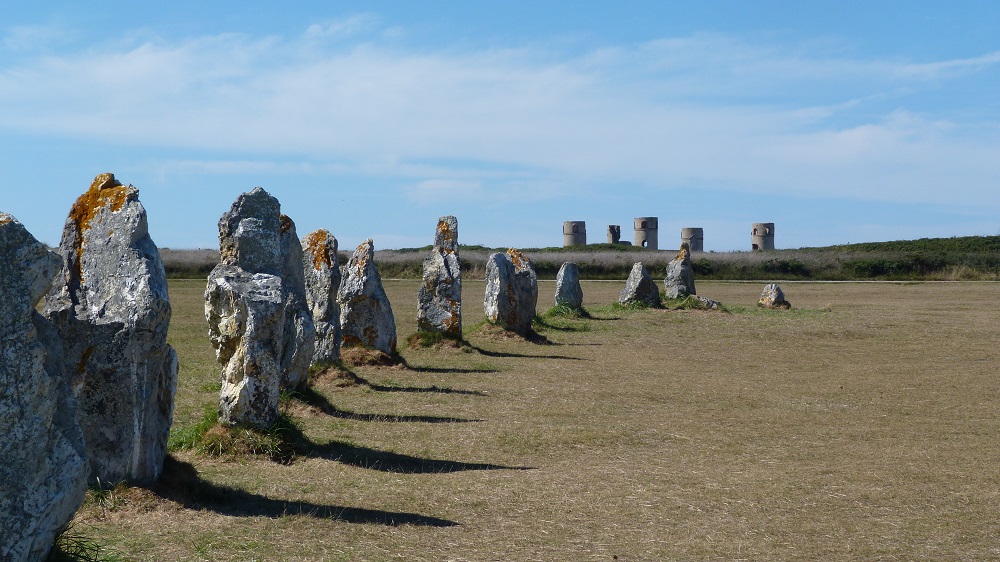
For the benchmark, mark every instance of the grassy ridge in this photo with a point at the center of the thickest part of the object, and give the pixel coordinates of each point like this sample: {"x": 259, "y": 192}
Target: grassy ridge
{"x": 960, "y": 258}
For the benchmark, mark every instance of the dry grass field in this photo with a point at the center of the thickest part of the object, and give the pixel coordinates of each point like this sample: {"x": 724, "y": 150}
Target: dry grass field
{"x": 863, "y": 424}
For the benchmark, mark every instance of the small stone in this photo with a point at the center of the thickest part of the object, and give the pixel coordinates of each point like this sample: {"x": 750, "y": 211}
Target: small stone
{"x": 773, "y": 297}
{"x": 111, "y": 308}
{"x": 640, "y": 288}
{"x": 569, "y": 293}
{"x": 43, "y": 458}
{"x": 322, "y": 281}
{"x": 366, "y": 317}
{"x": 707, "y": 302}
{"x": 679, "y": 281}
{"x": 300, "y": 331}
{"x": 511, "y": 291}
{"x": 439, "y": 301}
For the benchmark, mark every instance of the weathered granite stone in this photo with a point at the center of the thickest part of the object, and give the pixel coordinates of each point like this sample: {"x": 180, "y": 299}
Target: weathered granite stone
{"x": 511, "y": 291}
{"x": 43, "y": 459}
{"x": 300, "y": 331}
{"x": 439, "y": 301}
{"x": 322, "y": 281}
{"x": 366, "y": 317}
{"x": 246, "y": 319}
{"x": 245, "y": 301}
{"x": 112, "y": 311}
{"x": 640, "y": 288}
{"x": 679, "y": 281}
{"x": 773, "y": 297}
{"x": 707, "y": 302}
{"x": 568, "y": 290}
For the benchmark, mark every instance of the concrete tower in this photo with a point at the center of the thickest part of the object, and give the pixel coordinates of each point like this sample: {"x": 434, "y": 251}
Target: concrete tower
{"x": 574, "y": 233}
{"x": 614, "y": 234}
{"x": 762, "y": 236}
{"x": 694, "y": 238}
{"x": 646, "y": 232}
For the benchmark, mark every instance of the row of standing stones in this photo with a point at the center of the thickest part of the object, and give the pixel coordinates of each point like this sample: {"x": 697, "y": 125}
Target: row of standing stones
{"x": 90, "y": 381}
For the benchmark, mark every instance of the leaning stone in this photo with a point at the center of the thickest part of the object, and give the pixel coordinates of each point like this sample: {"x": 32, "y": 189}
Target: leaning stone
{"x": 43, "y": 459}
{"x": 773, "y": 297}
{"x": 300, "y": 332}
{"x": 511, "y": 291}
{"x": 246, "y": 319}
{"x": 111, "y": 308}
{"x": 679, "y": 281}
{"x": 640, "y": 288}
{"x": 366, "y": 318}
{"x": 568, "y": 290}
{"x": 439, "y": 300}
{"x": 322, "y": 280}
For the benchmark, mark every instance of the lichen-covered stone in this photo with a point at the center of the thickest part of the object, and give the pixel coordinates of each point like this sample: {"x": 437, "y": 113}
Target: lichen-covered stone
{"x": 300, "y": 332}
{"x": 707, "y": 302}
{"x": 366, "y": 317}
{"x": 250, "y": 233}
{"x": 679, "y": 281}
{"x": 322, "y": 281}
{"x": 43, "y": 459}
{"x": 511, "y": 291}
{"x": 111, "y": 308}
{"x": 773, "y": 297}
{"x": 639, "y": 288}
{"x": 246, "y": 319}
{"x": 439, "y": 300}
{"x": 568, "y": 290}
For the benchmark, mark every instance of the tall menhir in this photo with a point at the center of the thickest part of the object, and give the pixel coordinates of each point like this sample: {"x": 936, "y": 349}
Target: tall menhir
{"x": 439, "y": 301}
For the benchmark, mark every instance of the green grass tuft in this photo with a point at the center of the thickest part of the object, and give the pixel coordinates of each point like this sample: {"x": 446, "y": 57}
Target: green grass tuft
{"x": 73, "y": 547}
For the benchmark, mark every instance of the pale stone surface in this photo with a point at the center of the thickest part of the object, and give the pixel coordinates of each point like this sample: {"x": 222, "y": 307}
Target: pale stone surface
{"x": 299, "y": 342}
{"x": 245, "y": 307}
{"x": 773, "y": 297}
{"x": 112, "y": 311}
{"x": 707, "y": 302}
{"x": 568, "y": 290}
{"x": 43, "y": 459}
{"x": 679, "y": 281}
{"x": 640, "y": 288}
{"x": 322, "y": 281}
{"x": 366, "y": 317}
{"x": 439, "y": 300}
{"x": 246, "y": 320}
{"x": 511, "y": 291}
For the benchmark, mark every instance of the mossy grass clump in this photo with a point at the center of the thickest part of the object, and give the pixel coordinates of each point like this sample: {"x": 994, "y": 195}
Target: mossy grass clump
{"x": 358, "y": 356}
{"x": 280, "y": 442}
{"x": 436, "y": 340}
{"x": 70, "y": 546}
{"x": 566, "y": 311}
{"x": 689, "y": 302}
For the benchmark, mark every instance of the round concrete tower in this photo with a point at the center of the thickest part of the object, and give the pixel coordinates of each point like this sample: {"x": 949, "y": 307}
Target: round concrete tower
{"x": 762, "y": 236}
{"x": 646, "y": 232}
{"x": 694, "y": 238}
{"x": 574, "y": 233}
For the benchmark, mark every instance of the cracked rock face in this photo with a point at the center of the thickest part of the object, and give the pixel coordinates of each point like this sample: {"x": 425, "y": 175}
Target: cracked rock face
{"x": 679, "y": 281}
{"x": 111, "y": 309}
{"x": 43, "y": 459}
{"x": 439, "y": 300}
{"x": 568, "y": 290}
{"x": 322, "y": 281}
{"x": 300, "y": 332}
{"x": 640, "y": 288}
{"x": 511, "y": 291}
{"x": 366, "y": 317}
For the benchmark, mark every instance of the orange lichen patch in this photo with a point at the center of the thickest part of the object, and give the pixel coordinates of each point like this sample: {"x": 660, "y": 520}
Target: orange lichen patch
{"x": 5, "y": 218}
{"x": 517, "y": 258}
{"x": 363, "y": 260}
{"x": 684, "y": 252}
{"x": 446, "y": 235}
{"x": 105, "y": 193}
{"x": 316, "y": 249}
{"x": 286, "y": 224}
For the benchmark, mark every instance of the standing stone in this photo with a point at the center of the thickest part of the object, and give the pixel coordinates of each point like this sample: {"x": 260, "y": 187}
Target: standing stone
{"x": 640, "y": 288}
{"x": 245, "y": 309}
{"x": 366, "y": 318}
{"x": 322, "y": 281}
{"x": 679, "y": 281}
{"x": 43, "y": 459}
{"x": 299, "y": 331}
{"x": 568, "y": 290}
{"x": 112, "y": 311}
{"x": 511, "y": 291}
{"x": 439, "y": 301}
{"x": 773, "y": 297}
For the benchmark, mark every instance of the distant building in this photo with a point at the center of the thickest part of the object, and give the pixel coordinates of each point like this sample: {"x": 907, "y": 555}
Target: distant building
{"x": 647, "y": 232}
{"x": 762, "y": 236}
{"x": 574, "y": 233}
{"x": 694, "y": 238}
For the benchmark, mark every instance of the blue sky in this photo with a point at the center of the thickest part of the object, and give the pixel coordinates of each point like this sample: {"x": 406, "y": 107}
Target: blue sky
{"x": 840, "y": 122}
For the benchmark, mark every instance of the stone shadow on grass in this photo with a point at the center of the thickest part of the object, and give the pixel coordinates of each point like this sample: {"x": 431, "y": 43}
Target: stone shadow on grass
{"x": 385, "y": 461}
{"x": 180, "y": 483}
{"x": 359, "y": 380}
{"x": 489, "y": 353}
{"x": 312, "y": 398}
